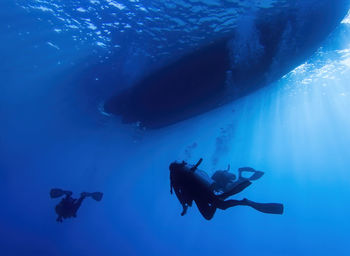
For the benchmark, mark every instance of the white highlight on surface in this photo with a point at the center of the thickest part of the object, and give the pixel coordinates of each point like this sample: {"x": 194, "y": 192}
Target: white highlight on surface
{"x": 101, "y": 44}
{"x": 116, "y": 4}
{"x": 91, "y": 26}
{"x": 42, "y": 8}
{"x": 53, "y": 45}
{"x": 81, "y": 9}
{"x": 102, "y": 109}
{"x": 346, "y": 20}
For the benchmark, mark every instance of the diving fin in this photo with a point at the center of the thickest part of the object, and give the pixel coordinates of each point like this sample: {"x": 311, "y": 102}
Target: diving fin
{"x": 246, "y": 169}
{"x": 57, "y": 192}
{"x": 97, "y": 196}
{"x": 273, "y": 208}
{"x": 256, "y": 175}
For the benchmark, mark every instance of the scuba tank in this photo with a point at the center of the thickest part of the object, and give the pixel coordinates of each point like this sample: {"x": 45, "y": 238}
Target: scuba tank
{"x": 201, "y": 175}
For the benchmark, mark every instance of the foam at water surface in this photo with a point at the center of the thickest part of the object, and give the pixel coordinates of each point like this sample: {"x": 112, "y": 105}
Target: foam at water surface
{"x": 168, "y": 26}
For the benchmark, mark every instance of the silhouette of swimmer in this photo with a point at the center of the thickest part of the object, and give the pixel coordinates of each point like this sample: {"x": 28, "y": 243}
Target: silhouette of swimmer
{"x": 191, "y": 184}
{"x": 69, "y": 206}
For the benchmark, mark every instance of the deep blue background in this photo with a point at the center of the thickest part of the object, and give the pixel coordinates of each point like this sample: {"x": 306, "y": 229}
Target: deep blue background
{"x": 52, "y": 134}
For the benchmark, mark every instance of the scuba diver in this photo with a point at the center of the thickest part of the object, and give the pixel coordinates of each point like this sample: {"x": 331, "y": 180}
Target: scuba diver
{"x": 69, "y": 206}
{"x": 191, "y": 184}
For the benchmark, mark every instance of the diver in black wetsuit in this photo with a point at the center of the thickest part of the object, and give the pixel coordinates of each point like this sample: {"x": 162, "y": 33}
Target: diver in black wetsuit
{"x": 69, "y": 206}
{"x": 195, "y": 185}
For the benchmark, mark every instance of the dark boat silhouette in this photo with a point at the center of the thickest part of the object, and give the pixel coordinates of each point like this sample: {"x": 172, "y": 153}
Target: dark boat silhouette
{"x": 229, "y": 68}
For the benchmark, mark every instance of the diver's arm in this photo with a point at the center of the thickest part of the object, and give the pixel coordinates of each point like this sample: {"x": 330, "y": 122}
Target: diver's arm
{"x": 184, "y": 209}
{"x": 185, "y": 202}
{"x": 171, "y": 184}
{"x": 179, "y": 195}
{"x": 181, "y": 199}
{"x": 77, "y": 203}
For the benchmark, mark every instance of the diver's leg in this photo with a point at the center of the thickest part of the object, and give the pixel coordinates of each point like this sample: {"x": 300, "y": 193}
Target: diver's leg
{"x": 223, "y": 205}
{"x": 77, "y": 204}
{"x": 235, "y": 190}
{"x": 184, "y": 209}
{"x": 205, "y": 209}
{"x": 273, "y": 208}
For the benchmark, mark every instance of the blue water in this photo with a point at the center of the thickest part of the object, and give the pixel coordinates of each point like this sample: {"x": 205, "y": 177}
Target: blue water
{"x": 56, "y": 64}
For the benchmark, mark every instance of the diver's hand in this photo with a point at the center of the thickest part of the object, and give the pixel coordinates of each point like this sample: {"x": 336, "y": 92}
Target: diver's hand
{"x": 184, "y": 210}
